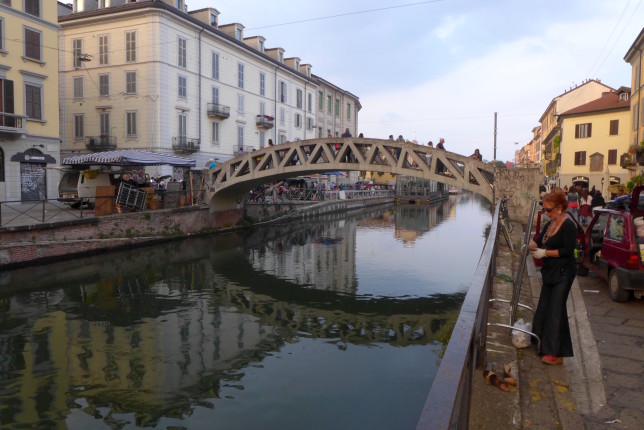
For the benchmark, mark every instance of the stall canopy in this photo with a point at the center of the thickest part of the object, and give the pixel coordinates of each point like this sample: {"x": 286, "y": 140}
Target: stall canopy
{"x": 129, "y": 157}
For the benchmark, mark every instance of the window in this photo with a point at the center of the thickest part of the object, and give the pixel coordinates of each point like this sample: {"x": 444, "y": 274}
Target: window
{"x": 636, "y": 107}
{"x": 615, "y": 228}
{"x": 33, "y": 44}
{"x": 104, "y": 85}
{"x": 32, "y": 7}
{"x": 79, "y": 126}
{"x": 78, "y": 87}
{"x": 298, "y": 98}
{"x": 580, "y": 158}
{"x": 77, "y": 51}
{"x": 130, "y": 46}
{"x": 612, "y": 156}
{"x": 183, "y": 86}
{"x": 104, "y": 124}
{"x": 240, "y": 103}
{"x": 320, "y": 100}
{"x": 597, "y": 162}
{"x": 181, "y": 52}
{"x": 240, "y": 75}
{"x": 130, "y": 124}
{"x": 130, "y": 82}
{"x": 280, "y": 57}
{"x": 337, "y": 107}
{"x": 348, "y": 110}
{"x": 6, "y": 97}
{"x": 328, "y": 104}
{"x": 178, "y": 4}
{"x": 281, "y": 138}
{"x": 213, "y": 20}
{"x": 614, "y": 127}
{"x": 282, "y": 92}
{"x": 583, "y": 130}
{"x": 215, "y": 95}
{"x": 262, "y": 109}
{"x": 262, "y": 84}
{"x": 262, "y": 139}
{"x": 298, "y": 120}
{"x": 182, "y": 125}
{"x": 104, "y": 49}
{"x": 239, "y": 34}
{"x": 309, "y": 102}
{"x": 240, "y": 137}
{"x": 309, "y": 124}
{"x": 282, "y": 115}
{"x": 215, "y": 133}
{"x": 261, "y": 46}
{"x": 33, "y": 101}
{"x": 215, "y": 66}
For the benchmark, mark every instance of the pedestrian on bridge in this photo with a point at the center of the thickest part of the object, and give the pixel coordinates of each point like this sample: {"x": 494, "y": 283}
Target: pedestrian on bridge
{"x": 555, "y": 246}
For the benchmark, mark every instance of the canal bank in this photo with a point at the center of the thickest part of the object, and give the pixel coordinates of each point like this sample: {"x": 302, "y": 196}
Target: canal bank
{"x": 27, "y": 243}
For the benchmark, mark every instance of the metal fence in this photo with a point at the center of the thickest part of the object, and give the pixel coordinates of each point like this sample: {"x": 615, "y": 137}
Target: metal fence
{"x": 270, "y": 196}
{"x": 448, "y": 403}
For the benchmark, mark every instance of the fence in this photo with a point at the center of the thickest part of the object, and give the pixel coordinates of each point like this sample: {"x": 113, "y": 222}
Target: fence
{"x": 267, "y": 195}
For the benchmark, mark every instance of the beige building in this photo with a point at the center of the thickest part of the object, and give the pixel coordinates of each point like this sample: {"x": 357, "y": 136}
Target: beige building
{"x": 634, "y": 57}
{"x": 550, "y": 133}
{"x": 593, "y": 138}
{"x": 29, "y": 132}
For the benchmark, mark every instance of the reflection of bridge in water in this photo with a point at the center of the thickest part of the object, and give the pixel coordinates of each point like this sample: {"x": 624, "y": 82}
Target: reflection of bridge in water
{"x": 175, "y": 322}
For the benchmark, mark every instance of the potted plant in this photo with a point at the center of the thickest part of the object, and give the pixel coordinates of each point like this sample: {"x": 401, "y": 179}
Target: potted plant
{"x": 640, "y": 153}
{"x": 634, "y": 181}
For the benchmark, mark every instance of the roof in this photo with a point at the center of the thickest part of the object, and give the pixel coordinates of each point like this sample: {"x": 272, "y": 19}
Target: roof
{"x": 608, "y": 102}
{"x": 129, "y": 157}
{"x": 639, "y": 40}
{"x": 554, "y": 99}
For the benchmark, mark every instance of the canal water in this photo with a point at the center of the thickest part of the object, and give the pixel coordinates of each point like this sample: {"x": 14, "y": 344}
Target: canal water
{"x": 316, "y": 324}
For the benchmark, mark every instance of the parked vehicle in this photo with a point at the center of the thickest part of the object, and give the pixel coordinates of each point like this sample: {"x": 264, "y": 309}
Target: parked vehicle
{"x": 78, "y": 187}
{"x": 614, "y": 246}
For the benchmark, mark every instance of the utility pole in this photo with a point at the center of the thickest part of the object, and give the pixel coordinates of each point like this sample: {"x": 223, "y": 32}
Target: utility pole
{"x": 494, "y": 186}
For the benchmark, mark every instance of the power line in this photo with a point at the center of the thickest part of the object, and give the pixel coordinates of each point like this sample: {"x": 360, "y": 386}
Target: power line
{"x": 608, "y": 38}
{"x": 346, "y": 14}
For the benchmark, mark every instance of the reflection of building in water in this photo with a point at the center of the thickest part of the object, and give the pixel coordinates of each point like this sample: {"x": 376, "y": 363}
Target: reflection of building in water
{"x": 322, "y": 256}
{"x": 412, "y": 221}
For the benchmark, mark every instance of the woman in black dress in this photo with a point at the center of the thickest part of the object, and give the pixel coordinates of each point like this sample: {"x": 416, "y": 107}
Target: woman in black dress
{"x": 555, "y": 245}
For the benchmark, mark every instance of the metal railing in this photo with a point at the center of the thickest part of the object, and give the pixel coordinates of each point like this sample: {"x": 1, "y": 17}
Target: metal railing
{"x": 265, "y": 121}
{"x": 100, "y": 143}
{"x": 241, "y": 150}
{"x": 308, "y": 195}
{"x": 186, "y": 144}
{"x": 218, "y": 110}
{"x": 448, "y": 403}
{"x": 12, "y": 123}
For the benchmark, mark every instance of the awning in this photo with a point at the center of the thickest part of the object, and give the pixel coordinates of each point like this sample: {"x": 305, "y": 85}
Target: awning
{"x": 615, "y": 180}
{"x": 580, "y": 179}
{"x": 35, "y": 157}
{"x": 129, "y": 157}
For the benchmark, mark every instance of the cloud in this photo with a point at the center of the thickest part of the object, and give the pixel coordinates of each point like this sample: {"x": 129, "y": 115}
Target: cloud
{"x": 449, "y": 25}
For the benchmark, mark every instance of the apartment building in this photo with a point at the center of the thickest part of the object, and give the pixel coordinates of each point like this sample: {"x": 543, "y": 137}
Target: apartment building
{"x": 29, "y": 139}
{"x": 593, "y": 138}
{"x": 550, "y": 131}
{"x": 634, "y": 57}
{"x": 337, "y": 110}
{"x": 152, "y": 75}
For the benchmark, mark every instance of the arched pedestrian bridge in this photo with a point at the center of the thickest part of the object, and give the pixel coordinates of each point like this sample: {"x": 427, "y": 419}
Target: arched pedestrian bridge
{"x": 229, "y": 181}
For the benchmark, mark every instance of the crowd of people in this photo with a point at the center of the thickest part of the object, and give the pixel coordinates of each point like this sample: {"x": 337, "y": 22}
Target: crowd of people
{"x": 581, "y": 201}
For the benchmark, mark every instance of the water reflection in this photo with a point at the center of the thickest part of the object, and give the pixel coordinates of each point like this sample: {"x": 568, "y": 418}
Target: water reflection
{"x": 160, "y": 336}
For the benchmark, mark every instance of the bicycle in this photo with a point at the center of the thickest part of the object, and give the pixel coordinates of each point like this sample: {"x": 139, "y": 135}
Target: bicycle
{"x": 505, "y": 223}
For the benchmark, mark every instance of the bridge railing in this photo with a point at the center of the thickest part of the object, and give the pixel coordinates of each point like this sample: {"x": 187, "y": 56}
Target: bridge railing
{"x": 448, "y": 403}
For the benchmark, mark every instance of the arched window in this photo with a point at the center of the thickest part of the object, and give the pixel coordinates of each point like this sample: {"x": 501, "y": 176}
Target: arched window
{"x": 1, "y": 165}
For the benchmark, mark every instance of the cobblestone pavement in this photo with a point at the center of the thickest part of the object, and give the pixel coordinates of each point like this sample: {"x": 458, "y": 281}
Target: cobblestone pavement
{"x": 618, "y": 329}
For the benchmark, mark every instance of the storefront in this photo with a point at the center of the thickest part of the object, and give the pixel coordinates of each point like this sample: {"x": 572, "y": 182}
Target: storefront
{"x": 33, "y": 173}
{"x": 580, "y": 181}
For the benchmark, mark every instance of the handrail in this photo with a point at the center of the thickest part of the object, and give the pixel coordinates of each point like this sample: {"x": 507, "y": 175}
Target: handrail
{"x": 448, "y": 402}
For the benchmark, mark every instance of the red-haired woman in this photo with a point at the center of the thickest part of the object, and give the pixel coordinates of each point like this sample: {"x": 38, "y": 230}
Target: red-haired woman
{"x": 555, "y": 245}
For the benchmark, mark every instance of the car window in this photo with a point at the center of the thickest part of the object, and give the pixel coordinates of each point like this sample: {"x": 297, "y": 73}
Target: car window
{"x": 615, "y": 229}
{"x": 640, "y": 201}
{"x": 600, "y": 225}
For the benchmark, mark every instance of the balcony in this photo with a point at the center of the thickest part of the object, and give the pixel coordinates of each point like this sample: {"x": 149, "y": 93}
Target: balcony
{"x": 13, "y": 124}
{"x": 100, "y": 143}
{"x": 266, "y": 122}
{"x": 186, "y": 144}
{"x": 215, "y": 110}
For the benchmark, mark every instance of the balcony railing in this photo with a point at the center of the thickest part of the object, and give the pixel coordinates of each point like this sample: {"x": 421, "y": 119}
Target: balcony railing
{"x": 12, "y": 123}
{"x": 265, "y": 122}
{"x": 186, "y": 144}
{"x": 241, "y": 150}
{"x": 218, "y": 111}
{"x": 100, "y": 143}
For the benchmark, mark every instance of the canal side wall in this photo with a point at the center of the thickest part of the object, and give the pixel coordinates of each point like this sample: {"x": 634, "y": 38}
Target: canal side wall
{"x": 521, "y": 184}
{"x": 37, "y": 244}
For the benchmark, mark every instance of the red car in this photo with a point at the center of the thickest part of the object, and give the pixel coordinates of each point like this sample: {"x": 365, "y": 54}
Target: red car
{"x": 614, "y": 246}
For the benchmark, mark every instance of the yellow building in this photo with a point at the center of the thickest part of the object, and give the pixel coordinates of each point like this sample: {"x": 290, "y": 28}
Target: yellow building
{"x": 593, "y": 138}
{"x": 634, "y": 57}
{"x": 29, "y": 131}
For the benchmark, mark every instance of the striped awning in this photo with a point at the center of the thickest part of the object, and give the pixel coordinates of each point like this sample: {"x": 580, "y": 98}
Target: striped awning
{"x": 129, "y": 157}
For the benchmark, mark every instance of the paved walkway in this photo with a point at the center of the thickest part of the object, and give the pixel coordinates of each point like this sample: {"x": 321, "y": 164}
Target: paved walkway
{"x": 602, "y": 387}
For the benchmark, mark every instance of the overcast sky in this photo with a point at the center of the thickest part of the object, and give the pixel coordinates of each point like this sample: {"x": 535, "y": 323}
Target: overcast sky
{"x": 441, "y": 68}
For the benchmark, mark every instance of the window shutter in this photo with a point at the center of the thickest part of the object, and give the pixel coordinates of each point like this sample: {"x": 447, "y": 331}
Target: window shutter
{"x": 577, "y": 131}
{"x": 8, "y": 96}
{"x": 590, "y": 129}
